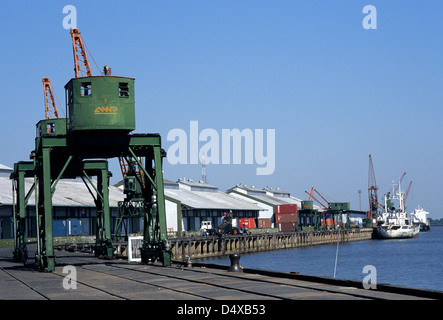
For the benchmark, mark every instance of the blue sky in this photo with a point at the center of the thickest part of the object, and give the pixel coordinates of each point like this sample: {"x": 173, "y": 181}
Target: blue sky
{"x": 333, "y": 91}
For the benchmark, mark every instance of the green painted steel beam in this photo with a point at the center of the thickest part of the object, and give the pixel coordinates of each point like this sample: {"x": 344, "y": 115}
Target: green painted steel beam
{"x": 54, "y": 184}
{"x": 142, "y": 167}
{"x": 20, "y": 199}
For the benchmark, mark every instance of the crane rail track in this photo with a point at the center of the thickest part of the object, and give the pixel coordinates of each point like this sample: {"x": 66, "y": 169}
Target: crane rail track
{"x": 114, "y": 270}
{"x": 25, "y": 283}
{"x": 109, "y": 269}
{"x": 233, "y": 275}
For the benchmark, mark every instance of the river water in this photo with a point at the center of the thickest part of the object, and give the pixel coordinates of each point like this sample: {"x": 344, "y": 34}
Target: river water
{"x": 416, "y": 263}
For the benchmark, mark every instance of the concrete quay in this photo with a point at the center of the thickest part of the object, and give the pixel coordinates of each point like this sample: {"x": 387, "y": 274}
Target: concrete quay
{"x": 204, "y": 247}
{"x": 97, "y": 279}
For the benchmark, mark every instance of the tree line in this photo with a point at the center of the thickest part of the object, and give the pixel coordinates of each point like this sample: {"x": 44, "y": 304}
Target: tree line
{"x": 436, "y": 221}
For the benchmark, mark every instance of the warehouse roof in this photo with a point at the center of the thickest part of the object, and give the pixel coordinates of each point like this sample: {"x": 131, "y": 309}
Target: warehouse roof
{"x": 69, "y": 192}
{"x": 3, "y": 167}
{"x": 204, "y": 196}
{"x": 266, "y": 195}
{"x": 73, "y": 192}
{"x": 5, "y": 171}
{"x": 196, "y": 186}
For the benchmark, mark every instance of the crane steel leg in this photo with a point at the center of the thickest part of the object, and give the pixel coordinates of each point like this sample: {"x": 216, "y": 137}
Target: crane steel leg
{"x": 155, "y": 244}
{"x": 103, "y": 243}
{"x": 45, "y": 258}
{"x": 19, "y": 211}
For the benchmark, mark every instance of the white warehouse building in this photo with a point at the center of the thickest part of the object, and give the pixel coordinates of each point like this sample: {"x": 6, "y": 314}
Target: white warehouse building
{"x": 190, "y": 203}
{"x": 187, "y": 203}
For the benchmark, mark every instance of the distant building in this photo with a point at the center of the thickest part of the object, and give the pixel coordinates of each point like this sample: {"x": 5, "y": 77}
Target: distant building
{"x": 5, "y": 171}
{"x": 266, "y": 198}
{"x": 189, "y": 203}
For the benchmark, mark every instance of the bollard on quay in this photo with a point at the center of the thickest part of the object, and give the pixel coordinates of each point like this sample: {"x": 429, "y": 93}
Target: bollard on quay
{"x": 235, "y": 263}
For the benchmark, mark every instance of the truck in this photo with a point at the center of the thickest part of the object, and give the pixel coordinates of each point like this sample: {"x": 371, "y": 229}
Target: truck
{"x": 225, "y": 228}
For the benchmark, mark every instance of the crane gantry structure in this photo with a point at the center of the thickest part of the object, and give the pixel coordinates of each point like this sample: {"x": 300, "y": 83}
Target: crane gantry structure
{"x": 372, "y": 192}
{"x": 98, "y": 125}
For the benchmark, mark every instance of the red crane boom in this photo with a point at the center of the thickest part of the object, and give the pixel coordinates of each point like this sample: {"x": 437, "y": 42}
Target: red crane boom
{"x": 82, "y": 67}
{"x": 51, "y": 111}
{"x": 311, "y": 196}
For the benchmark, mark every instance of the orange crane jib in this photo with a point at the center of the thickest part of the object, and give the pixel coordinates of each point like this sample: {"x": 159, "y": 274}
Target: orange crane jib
{"x": 82, "y": 66}
{"x": 50, "y": 105}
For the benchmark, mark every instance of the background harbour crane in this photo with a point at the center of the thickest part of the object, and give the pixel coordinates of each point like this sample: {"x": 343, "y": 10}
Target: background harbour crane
{"x": 372, "y": 192}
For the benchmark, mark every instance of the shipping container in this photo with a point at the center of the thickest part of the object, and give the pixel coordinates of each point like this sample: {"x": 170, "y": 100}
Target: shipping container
{"x": 286, "y": 208}
{"x": 286, "y": 226}
{"x": 264, "y": 223}
{"x": 330, "y": 221}
{"x": 248, "y": 223}
{"x": 286, "y": 217}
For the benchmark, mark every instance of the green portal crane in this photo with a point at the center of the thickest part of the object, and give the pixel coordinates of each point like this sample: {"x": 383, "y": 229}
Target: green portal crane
{"x": 99, "y": 122}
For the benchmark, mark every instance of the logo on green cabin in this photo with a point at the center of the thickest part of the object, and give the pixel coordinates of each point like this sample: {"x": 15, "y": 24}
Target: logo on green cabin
{"x": 106, "y": 110}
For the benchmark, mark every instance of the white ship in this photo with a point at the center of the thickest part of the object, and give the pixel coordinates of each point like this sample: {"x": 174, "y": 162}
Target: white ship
{"x": 419, "y": 217}
{"x": 395, "y": 223}
{"x": 397, "y": 227}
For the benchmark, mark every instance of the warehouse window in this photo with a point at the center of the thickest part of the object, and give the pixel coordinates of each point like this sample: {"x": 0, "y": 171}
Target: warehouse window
{"x": 123, "y": 90}
{"x": 85, "y": 89}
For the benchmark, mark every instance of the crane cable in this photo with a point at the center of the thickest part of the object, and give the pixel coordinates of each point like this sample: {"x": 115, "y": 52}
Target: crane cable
{"x": 90, "y": 54}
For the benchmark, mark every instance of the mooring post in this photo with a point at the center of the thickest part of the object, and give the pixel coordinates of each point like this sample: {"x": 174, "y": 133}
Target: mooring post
{"x": 235, "y": 263}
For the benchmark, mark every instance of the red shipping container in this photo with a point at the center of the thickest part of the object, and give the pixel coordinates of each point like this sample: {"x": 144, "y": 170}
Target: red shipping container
{"x": 248, "y": 223}
{"x": 286, "y": 226}
{"x": 286, "y": 217}
{"x": 286, "y": 208}
{"x": 264, "y": 223}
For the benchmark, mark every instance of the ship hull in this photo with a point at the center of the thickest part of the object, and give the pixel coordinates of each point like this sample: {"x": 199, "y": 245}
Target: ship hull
{"x": 397, "y": 233}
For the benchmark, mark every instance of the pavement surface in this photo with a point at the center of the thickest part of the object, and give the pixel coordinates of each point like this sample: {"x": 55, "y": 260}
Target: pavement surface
{"x": 81, "y": 276}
